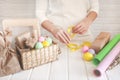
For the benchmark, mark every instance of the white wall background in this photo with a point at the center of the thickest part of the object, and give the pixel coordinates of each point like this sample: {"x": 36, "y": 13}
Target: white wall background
{"x": 108, "y": 20}
{"x": 16, "y": 9}
{"x": 109, "y": 17}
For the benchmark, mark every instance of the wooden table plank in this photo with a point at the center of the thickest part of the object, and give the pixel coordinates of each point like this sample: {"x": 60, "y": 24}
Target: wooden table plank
{"x": 41, "y": 72}
{"x": 23, "y": 75}
{"x": 6, "y": 77}
{"x": 77, "y": 69}
{"x": 59, "y": 69}
{"x": 69, "y": 66}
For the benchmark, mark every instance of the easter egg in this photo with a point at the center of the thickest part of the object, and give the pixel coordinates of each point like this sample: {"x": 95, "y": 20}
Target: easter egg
{"x": 49, "y": 40}
{"x": 87, "y": 43}
{"x": 45, "y": 43}
{"x": 85, "y": 49}
{"x": 38, "y": 45}
{"x": 92, "y": 51}
{"x": 88, "y": 56}
{"x": 41, "y": 39}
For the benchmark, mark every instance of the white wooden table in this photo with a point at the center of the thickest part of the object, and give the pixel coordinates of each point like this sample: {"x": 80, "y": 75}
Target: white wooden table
{"x": 70, "y": 66}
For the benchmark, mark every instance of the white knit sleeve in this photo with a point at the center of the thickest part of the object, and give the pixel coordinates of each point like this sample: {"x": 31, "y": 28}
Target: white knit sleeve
{"x": 41, "y": 8}
{"x": 94, "y": 6}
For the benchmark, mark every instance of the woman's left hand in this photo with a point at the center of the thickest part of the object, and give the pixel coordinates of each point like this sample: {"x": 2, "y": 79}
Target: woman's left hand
{"x": 81, "y": 27}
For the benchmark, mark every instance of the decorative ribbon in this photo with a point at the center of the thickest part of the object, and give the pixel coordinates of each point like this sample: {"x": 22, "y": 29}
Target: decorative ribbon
{"x": 69, "y": 30}
{"x": 72, "y": 46}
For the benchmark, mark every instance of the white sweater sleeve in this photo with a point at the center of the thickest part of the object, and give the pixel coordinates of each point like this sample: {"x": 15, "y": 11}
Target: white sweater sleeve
{"x": 94, "y": 6}
{"x": 41, "y": 8}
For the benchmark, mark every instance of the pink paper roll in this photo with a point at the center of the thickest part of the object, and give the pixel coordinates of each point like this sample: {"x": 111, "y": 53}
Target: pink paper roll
{"x": 107, "y": 60}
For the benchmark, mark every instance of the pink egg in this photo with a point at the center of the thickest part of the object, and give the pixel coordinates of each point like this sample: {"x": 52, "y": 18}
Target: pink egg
{"x": 41, "y": 39}
{"x": 85, "y": 49}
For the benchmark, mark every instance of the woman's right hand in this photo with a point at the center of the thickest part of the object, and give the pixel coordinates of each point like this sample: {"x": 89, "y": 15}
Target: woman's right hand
{"x": 58, "y": 33}
{"x": 61, "y": 35}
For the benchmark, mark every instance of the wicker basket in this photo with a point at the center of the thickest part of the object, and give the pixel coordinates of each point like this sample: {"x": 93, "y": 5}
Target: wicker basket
{"x": 34, "y": 57}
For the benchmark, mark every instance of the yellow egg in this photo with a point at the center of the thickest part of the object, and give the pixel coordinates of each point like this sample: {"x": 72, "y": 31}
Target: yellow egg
{"x": 88, "y": 56}
{"x": 45, "y": 43}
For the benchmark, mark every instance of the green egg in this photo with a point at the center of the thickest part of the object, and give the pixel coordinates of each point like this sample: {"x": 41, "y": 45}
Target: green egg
{"x": 38, "y": 45}
{"x": 49, "y": 40}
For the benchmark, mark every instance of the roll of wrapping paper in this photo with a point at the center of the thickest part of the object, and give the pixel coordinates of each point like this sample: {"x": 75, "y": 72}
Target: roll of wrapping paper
{"x": 100, "y": 56}
{"x": 107, "y": 60}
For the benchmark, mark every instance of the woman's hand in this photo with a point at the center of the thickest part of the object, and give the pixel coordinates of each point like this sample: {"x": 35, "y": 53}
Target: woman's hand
{"x": 61, "y": 35}
{"x": 58, "y": 33}
{"x": 81, "y": 27}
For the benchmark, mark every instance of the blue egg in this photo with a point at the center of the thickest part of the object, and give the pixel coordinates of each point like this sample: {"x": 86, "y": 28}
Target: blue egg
{"x": 92, "y": 51}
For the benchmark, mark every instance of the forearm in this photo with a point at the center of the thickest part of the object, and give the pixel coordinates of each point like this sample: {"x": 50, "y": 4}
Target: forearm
{"x": 84, "y": 24}
{"x": 58, "y": 33}
{"x": 91, "y": 17}
{"x": 49, "y": 26}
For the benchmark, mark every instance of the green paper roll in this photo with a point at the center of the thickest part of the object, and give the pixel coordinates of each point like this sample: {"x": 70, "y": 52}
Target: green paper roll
{"x": 100, "y": 56}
